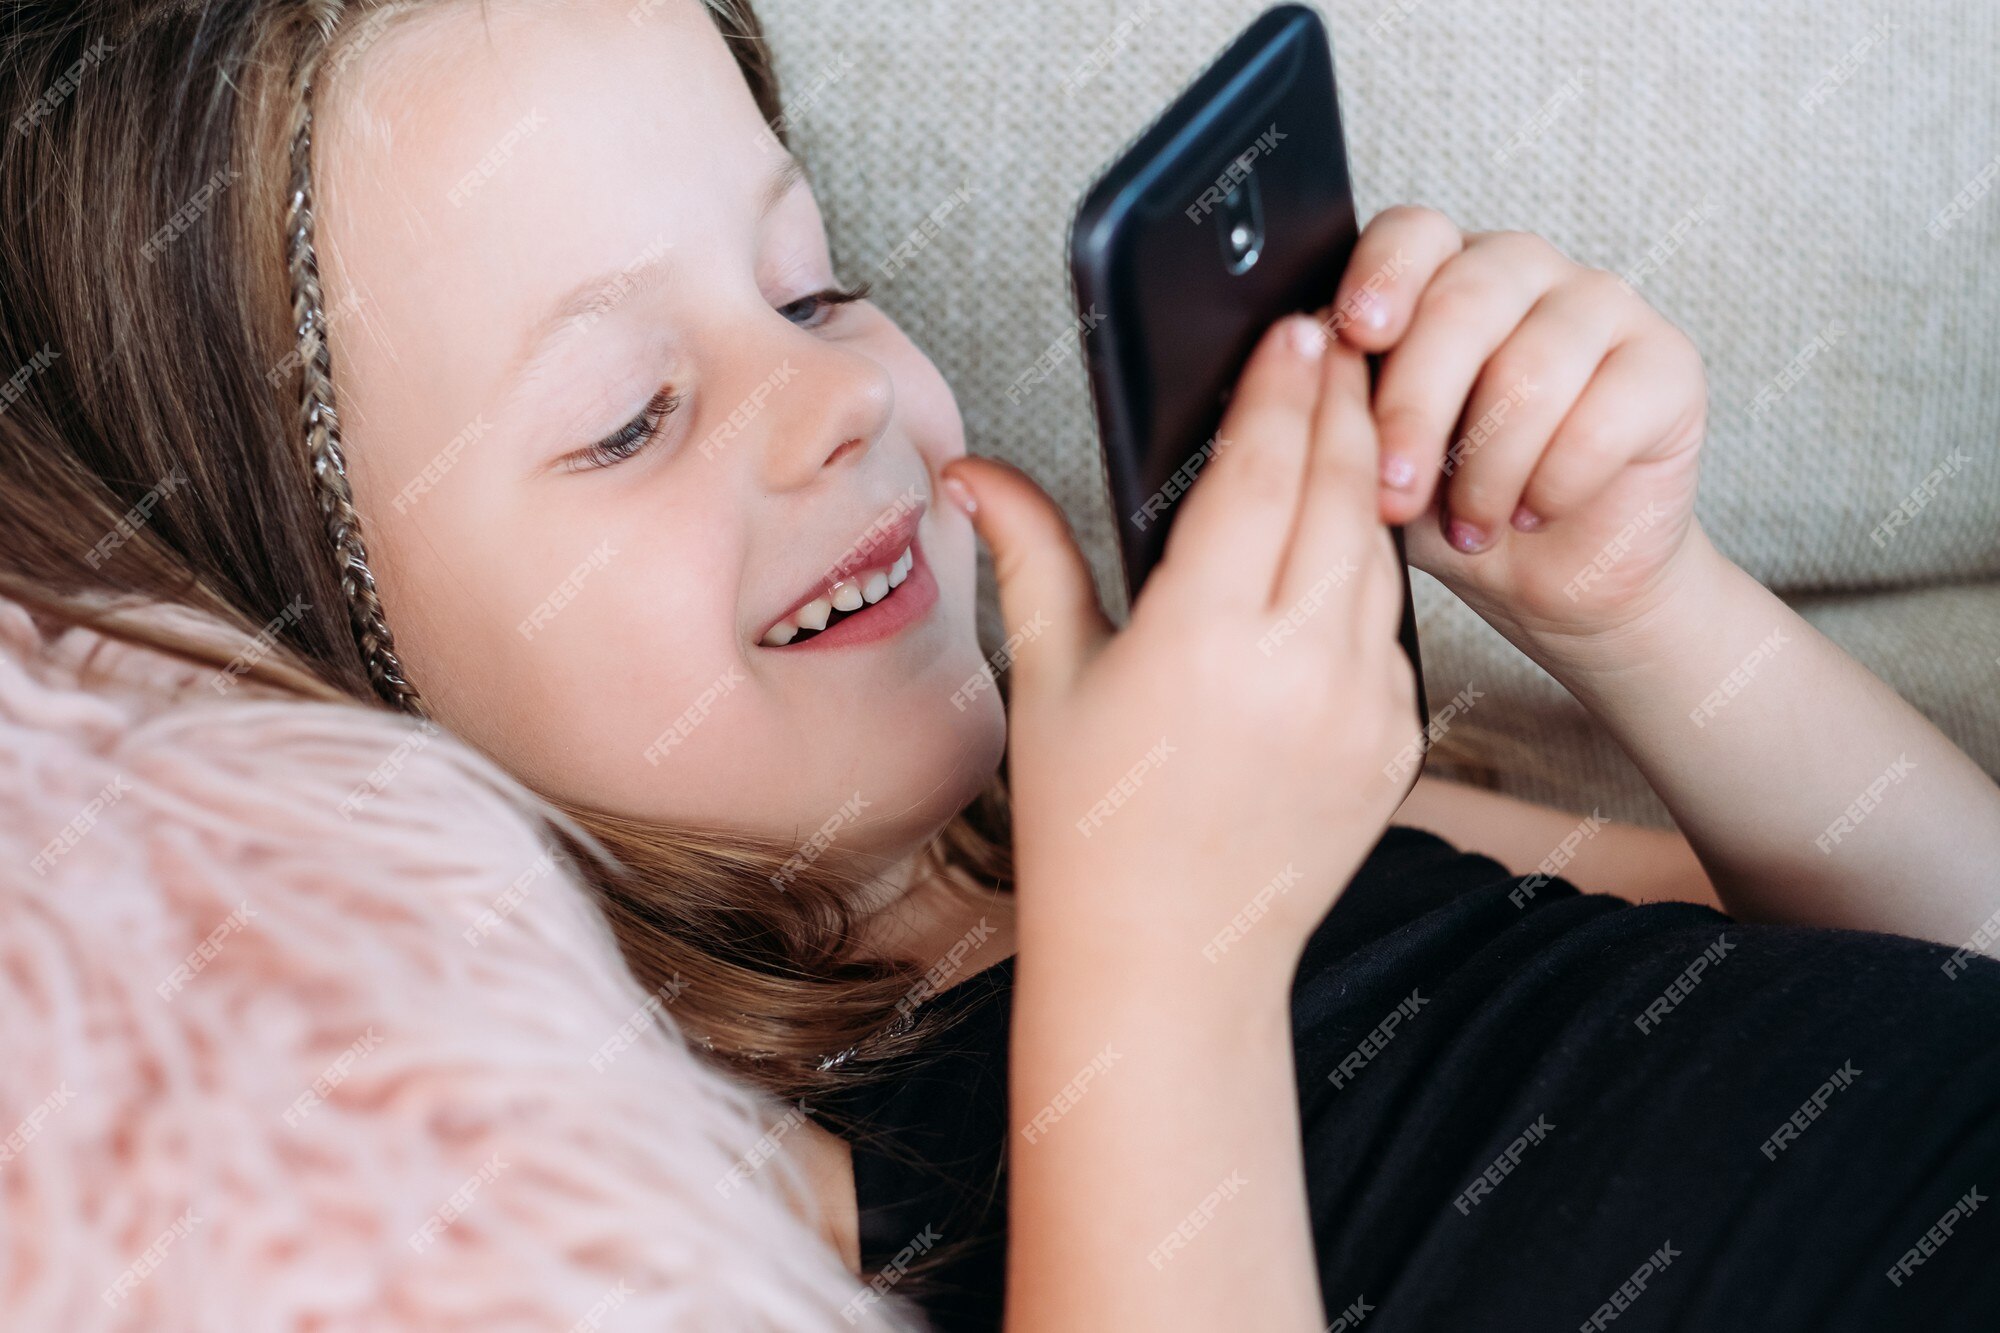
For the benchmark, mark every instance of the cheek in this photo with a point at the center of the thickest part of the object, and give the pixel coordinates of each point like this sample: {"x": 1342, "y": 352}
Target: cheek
{"x": 572, "y": 644}
{"x": 640, "y": 678}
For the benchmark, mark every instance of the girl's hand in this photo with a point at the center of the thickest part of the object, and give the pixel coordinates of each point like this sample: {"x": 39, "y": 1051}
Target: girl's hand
{"x": 1190, "y": 794}
{"x": 1228, "y": 751}
{"x": 1541, "y": 421}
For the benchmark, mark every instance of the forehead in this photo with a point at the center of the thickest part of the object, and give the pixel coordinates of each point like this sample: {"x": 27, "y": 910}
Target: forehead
{"x": 473, "y": 158}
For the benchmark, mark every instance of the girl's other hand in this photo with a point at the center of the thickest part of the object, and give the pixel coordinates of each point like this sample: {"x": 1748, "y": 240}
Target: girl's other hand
{"x": 1540, "y": 421}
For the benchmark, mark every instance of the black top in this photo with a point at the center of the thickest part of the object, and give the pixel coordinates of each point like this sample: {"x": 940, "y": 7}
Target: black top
{"x": 1526, "y": 1107}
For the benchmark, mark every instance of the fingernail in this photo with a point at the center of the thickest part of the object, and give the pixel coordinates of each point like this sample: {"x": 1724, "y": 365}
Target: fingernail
{"x": 961, "y": 495}
{"x": 1398, "y": 471}
{"x": 1464, "y": 536}
{"x": 1308, "y": 337}
{"x": 1525, "y": 519}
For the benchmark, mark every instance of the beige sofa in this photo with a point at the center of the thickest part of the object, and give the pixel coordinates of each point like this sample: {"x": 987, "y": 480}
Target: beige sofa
{"x": 1810, "y": 189}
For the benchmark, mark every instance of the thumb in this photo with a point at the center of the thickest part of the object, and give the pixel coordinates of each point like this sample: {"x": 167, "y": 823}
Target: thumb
{"x": 1048, "y": 599}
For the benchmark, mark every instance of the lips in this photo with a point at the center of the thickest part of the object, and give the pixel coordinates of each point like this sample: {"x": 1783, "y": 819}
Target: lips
{"x": 844, "y": 582}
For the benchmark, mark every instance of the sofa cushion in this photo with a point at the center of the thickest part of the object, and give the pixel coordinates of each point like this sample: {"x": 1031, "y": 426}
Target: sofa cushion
{"x": 1810, "y": 190}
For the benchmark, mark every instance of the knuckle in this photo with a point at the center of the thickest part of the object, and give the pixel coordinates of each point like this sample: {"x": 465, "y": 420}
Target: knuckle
{"x": 1692, "y": 420}
{"x": 1263, "y": 405}
{"x": 1553, "y": 491}
{"x": 1475, "y": 492}
{"x": 1459, "y": 293}
{"x": 1403, "y": 421}
{"x": 1688, "y": 354}
{"x": 1513, "y": 365}
{"x": 1264, "y": 475}
{"x": 1422, "y": 222}
{"x": 1591, "y": 445}
{"x": 1601, "y": 286}
{"x": 1342, "y": 475}
{"x": 1249, "y": 428}
{"x": 1532, "y": 247}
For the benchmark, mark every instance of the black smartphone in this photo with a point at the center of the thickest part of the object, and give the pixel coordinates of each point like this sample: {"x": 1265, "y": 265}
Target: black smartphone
{"x": 1231, "y": 210}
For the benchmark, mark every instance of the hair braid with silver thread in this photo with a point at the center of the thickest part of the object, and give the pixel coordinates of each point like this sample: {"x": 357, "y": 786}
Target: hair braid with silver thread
{"x": 320, "y": 422}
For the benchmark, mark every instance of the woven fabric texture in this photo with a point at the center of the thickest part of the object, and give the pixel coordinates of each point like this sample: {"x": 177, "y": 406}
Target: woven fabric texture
{"x": 1811, "y": 191}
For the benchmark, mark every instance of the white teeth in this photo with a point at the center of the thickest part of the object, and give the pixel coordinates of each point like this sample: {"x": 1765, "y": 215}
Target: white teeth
{"x": 867, "y": 587}
{"x": 813, "y": 614}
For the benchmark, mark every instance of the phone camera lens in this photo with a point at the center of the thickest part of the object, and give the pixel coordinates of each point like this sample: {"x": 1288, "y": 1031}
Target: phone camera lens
{"x": 1241, "y": 229}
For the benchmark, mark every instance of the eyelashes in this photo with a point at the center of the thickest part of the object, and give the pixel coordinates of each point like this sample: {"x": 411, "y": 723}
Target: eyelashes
{"x": 639, "y": 432}
{"x": 834, "y": 296}
{"x": 633, "y": 436}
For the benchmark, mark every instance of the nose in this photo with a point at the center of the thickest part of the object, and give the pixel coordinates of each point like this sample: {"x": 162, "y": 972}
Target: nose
{"x": 834, "y": 404}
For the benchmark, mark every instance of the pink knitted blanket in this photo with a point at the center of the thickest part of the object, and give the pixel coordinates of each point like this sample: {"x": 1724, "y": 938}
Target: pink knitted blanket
{"x": 304, "y": 1029}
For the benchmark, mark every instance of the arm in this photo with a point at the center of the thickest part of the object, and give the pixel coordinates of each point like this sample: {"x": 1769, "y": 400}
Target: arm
{"x": 1564, "y": 515}
{"x": 1642, "y": 864}
{"x": 1810, "y": 790}
{"x": 1157, "y": 1179}
{"x": 1164, "y": 777}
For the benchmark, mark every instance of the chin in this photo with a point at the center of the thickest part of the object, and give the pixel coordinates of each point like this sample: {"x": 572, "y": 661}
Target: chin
{"x": 942, "y": 763}
{"x": 977, "y": 739}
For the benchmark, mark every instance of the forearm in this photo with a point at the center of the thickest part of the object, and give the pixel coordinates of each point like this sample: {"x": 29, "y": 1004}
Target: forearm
{"x": 1811, "y": 791}
{"x": 1156, "y": 1177}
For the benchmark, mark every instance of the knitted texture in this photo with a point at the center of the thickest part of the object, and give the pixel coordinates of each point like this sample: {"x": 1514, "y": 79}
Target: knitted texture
{"x": 306, "y": 1029}
{"x": 1810, "y": 190}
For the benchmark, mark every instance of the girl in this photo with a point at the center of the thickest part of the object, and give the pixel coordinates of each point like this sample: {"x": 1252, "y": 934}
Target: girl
{"x": 493, "y": 357}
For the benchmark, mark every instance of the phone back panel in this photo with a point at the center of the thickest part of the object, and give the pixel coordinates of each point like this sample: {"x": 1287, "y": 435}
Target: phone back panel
{"x": 1248, "y": 164}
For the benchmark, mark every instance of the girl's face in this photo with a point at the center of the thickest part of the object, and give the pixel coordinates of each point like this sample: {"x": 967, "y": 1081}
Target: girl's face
{"x": 547, "y": 227}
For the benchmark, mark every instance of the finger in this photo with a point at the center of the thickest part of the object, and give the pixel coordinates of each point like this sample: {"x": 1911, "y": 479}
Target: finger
{"x": 1336, "y": 527}
{"x": 1043, "y": 577}
{"x": 1424, "y": 544}
{"x": 1230, "y": 531}
{"x": 1469, "y": 309}
{"x": 1380, "y": 598}
{"x": 1393, "y": 261}
{"x": 1633, "y": 408}
{"x": 1526, "y": 390}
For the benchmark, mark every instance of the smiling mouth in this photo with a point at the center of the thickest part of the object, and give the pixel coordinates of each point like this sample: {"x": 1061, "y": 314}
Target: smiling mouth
{"x": 851, "y": 595}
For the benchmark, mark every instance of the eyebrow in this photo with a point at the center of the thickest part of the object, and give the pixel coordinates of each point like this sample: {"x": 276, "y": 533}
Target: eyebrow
{"x": 641, "y": 275}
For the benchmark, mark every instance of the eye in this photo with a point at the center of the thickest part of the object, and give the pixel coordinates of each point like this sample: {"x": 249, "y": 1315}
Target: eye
{"x": 805, "y": 310}
{"x": 628, "y": 439}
